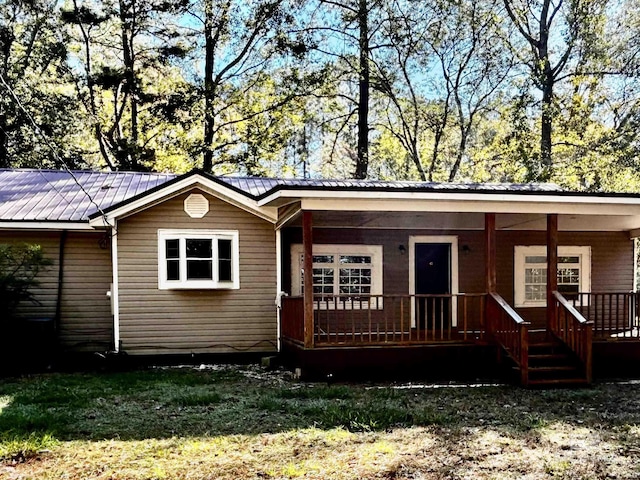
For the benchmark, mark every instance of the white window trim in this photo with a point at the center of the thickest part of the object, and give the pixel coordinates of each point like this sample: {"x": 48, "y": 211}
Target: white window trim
{"x": 183, "y": 283}
{"x": 520, "y": 252}
{"x": 375, "y": 251}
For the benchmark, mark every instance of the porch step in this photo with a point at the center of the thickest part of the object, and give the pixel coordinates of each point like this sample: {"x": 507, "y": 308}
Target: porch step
{"x": 552, "y": 364}
{"x": 548, "y": 356}
{"x": 559, "y": 382}
{"x": 553, "y": 368}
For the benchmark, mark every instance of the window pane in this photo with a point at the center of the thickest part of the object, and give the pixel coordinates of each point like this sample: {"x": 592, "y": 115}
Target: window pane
{"x": 355, "y": 259}
{"x": 535, "y": 292}
{"x": 323, "y": 282}
{"x": 224, "y": 270}
{"x": 198, "y": 248}
{"x": 224, "y": 249}
{"x": 322, "y": 258}
{"x": 568, "y": 259}
{"x": 173, "y": 269}
{"x": 535, "y": 275}
{"x": 535, "y": 259}
{"x": 569, "y": 275}
{"x": 224, "y": 260}
{"x": 354, "y": 281}
{"x": 199, "y": 270}
{"x": 172, "y": 248}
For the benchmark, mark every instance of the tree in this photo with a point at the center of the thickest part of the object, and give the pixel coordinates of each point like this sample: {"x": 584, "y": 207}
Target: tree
{"x": 242, "y": 40}
{"x": 562, "y": 39}
{"x": 127, "y": 48}
{"x": 20, "y": 265}
{"x": 34, "y": 87}
{"x": 346, "y": 35}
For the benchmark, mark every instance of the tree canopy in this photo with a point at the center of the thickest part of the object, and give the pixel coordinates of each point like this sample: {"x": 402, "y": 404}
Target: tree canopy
{"x": 464, "y": 90}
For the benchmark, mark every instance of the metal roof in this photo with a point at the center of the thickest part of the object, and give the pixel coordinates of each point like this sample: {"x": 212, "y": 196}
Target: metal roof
{"x": 54, "y": 195}
{"x": 260, "y": 187}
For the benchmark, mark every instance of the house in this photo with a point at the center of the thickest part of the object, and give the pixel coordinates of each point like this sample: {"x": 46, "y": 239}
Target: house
{"x": 447, "y": 278}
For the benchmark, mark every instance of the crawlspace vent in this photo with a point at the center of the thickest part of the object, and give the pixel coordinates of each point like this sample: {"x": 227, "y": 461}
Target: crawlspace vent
{"x": 196, "y": 205}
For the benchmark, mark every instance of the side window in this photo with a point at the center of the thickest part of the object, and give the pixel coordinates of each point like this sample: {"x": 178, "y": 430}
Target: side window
{"x": 195, "y": 259}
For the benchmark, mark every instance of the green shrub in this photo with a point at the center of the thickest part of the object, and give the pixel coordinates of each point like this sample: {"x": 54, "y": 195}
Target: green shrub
{"x": 19, "y": 267}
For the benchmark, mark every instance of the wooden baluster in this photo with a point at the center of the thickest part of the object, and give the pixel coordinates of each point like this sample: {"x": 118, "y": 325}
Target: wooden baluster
{"x": 596, "y": 319}
{"x": 464, "y": 318}
{"x": 483, "y": 316}
{"x": 442, "y": 300}
{"x": 625, "y": 315}
{"x": 369, "y": 318}
{"x": 377, "y": 321}
{"x": 385, "y": 304}
{"x": 634, "y": 316}
{"x": 402, "y": 319}
{"x": 433, "y": 318}
{"x": 450, "y": 319}
{"x": 611, "y": 327}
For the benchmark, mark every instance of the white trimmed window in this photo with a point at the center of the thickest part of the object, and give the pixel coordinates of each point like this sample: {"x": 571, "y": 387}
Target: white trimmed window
{"x": 351, "y": 272}
{"x": 530, "y": 273}
{"x": 198, "y": 259}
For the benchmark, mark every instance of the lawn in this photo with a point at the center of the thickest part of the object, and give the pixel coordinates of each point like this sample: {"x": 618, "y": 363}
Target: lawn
{"x": 243, "y": 422}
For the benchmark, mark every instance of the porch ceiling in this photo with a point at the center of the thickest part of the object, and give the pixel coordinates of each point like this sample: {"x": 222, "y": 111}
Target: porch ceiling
{"x": 468, "y": 221}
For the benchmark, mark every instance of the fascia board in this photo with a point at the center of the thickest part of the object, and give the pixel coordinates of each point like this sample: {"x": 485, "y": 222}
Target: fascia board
{"x": 44, "y": 225}
{"x": 219, "y": 191}
{"x": 478, "y": 204}
{"x": 484, "y": 198}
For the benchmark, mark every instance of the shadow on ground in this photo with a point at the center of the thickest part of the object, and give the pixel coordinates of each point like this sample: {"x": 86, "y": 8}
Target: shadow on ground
{"x": 164, "y": 403}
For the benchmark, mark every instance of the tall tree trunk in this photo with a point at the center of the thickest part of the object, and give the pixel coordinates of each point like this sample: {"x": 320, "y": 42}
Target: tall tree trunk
{"x": 4, "y": 152}
{"x": 209, "y": 87}
{"x": 127, "y": 17}
{"x": 547, "y": 81}
{"x": 362, "y": 163}
{"x": 546, "y": 130}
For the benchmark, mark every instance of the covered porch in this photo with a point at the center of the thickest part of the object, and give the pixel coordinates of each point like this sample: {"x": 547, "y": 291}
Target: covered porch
{"x": 479, "y": 306}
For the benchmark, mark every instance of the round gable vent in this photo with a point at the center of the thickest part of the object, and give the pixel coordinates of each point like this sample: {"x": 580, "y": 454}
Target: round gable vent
{"x": 196, "y": 205}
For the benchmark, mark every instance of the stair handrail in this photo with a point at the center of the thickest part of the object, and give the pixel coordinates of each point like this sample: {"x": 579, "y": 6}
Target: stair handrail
{"x": 510, "y": 331}
{"x": 575, "y": 331}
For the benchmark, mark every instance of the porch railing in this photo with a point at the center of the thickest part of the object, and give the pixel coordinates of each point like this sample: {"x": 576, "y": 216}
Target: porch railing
{"x": 614, "y": 314}
{"x": 510, "y": 331}
{"x": 574, "y": 330}
{"x": 343, "y": 320}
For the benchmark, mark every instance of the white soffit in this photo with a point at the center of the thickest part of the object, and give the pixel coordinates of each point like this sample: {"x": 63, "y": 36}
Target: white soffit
{"x": 467, "y": 221}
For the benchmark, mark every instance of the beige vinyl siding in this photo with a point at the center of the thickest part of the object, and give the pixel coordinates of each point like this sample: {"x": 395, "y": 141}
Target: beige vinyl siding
{"x": 154, "y": 321}
{"x": 86, "y": 323}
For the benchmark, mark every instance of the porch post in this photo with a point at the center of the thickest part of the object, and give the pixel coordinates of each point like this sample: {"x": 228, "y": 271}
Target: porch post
{"x": 490, "y": 250}
{"x": 307, "y": 244}
{"x": 552, "y": 267}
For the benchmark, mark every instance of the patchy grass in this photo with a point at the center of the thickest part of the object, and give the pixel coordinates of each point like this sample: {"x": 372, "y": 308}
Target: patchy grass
{"x": 242, "y": 422}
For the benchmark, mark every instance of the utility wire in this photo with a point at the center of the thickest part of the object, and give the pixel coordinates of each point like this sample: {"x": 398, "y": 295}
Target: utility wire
{"x": 53, "y": 148}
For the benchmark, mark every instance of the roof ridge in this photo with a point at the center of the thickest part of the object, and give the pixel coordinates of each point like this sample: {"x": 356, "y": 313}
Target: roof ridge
{"x": 376, "y": 180}
{"x": 105, "y": 172}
